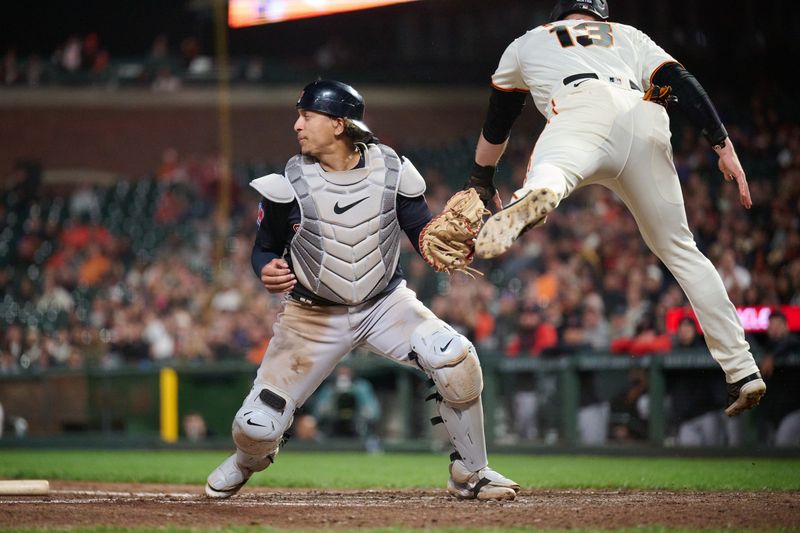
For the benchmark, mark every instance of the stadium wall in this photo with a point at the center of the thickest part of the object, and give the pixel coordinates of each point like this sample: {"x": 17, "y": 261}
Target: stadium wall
{"x": 124, "y": 132}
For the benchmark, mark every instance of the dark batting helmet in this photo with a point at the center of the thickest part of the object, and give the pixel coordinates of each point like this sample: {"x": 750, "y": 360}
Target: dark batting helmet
{"x": 334, "y": 98}
{"x": 598, "y": 8}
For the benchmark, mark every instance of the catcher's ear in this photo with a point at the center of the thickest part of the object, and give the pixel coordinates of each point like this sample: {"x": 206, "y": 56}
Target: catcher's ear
{"x": 274, "y": 187}
{"x": 412, "y": 184}
{"x": 338, "y": 125}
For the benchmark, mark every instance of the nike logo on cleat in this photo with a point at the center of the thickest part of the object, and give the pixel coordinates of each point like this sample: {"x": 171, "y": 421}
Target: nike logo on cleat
{"x": 339, "y": 210}
{"x": 251, "y": 423}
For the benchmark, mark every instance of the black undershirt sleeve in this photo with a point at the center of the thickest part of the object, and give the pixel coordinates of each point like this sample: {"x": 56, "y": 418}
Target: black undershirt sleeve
{"x": 692, "y": 100}
{"x": 413, "y": 214}
{"x": 271, "y": 236}
{"x": 259, "y": 258}
{"x": 504, "y": 108}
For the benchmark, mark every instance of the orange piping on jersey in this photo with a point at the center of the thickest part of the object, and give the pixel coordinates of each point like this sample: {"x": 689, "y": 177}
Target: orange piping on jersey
{"x": 655, "y": 70}
{"x": 511, "y": 90}
{"x": 553, "y": 109}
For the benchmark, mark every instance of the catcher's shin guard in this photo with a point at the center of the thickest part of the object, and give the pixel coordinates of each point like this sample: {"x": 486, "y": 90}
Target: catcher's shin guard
{"x": 465, "y": 428}
{"x": 470, "y": 475}
{"x": 503, "y": 228}
{"x": 257, "y": 430}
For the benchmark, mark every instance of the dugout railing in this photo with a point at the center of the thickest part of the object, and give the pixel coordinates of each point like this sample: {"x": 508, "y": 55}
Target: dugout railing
{"x": 127, "y": 405}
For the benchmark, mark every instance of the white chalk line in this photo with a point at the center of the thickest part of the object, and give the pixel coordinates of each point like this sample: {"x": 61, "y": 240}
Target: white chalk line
{"x": 83, "y": 497}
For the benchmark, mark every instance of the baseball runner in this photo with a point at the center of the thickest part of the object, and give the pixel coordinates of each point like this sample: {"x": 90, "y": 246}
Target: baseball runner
{"x": 328, "y": 235}
{"x": 599, "y": 84}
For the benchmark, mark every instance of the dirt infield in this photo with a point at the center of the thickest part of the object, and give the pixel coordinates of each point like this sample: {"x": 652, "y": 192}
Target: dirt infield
{"x": 74, "y": 504}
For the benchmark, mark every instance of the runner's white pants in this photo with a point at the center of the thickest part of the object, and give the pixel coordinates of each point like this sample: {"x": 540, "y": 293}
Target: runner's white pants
{"x": 604, "y": 134}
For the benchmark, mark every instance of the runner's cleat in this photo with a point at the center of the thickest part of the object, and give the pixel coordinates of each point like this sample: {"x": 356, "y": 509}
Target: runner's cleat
{"x": 745, "y": 394}
{"x": 503, "y": 228}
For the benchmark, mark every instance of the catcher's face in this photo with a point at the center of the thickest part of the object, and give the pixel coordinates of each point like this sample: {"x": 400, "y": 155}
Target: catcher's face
{"x": 317, "y": 132}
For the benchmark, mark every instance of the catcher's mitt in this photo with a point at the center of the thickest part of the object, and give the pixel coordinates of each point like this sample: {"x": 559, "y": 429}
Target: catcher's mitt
{"x": 661, "y": 95}
{"x": 446, "y": 241}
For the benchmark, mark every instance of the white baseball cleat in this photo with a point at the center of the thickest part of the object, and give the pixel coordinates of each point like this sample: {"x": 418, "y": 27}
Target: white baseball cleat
{"x": 485, "y": 484}
{"x": 227, "y": 479}
{"x": 745, "y": 394}
{"x": 503, "y": 228}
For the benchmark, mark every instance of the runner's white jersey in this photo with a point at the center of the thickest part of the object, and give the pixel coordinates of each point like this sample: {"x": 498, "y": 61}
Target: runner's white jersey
{"x": 540, "y": 60}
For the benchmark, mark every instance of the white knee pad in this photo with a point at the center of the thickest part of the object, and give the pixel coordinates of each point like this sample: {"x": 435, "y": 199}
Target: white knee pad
{"x": 450, "y": 360}
{"x": 261, "y": 421}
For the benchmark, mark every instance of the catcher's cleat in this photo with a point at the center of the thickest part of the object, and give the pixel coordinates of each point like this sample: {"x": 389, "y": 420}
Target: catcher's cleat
{"x": 502, "y": 229}
{"x": 485, "y": 484}
{"x": 745, "y": 394}
{"x": 227, "y": 479}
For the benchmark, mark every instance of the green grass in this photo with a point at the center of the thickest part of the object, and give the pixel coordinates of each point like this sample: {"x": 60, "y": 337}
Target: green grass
{"x": 407, "y": 470}
{"x": 395, "y": 470}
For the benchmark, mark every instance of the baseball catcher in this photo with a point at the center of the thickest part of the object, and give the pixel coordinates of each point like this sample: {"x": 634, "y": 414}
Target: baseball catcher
{"x": 328, "y": 237}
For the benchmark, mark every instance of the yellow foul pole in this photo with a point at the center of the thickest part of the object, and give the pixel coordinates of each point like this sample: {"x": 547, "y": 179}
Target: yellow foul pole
{"x": 168, "y": 386}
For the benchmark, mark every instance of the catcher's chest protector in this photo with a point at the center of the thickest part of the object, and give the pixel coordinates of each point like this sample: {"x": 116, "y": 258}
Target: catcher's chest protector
{"x": 348, "y": 244}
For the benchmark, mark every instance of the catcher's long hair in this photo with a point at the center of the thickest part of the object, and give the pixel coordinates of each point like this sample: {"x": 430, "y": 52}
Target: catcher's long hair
{"x": 357, "y": 135}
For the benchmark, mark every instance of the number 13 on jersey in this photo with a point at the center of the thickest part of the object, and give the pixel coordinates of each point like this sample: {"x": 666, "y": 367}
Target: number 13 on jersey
{"x": 586, "y": 34}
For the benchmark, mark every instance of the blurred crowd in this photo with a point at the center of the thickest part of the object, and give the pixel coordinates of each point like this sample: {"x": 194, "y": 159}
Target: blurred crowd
{"x": 145, "y": 271}
{"x": 83, "y": 59}
{"x": 167, "y": 66}
{"x": 132, "y": 274}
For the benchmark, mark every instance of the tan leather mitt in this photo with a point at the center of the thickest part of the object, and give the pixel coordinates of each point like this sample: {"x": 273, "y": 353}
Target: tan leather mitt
{"x": 446, "y": 242}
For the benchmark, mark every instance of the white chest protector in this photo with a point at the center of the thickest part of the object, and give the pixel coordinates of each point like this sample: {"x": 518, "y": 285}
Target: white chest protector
{"x": 348, "y": 244}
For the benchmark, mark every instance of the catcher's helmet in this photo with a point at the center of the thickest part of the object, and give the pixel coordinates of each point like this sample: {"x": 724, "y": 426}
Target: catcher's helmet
{"x": 334, "y": 98}
{"x": 598, "y": 8}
